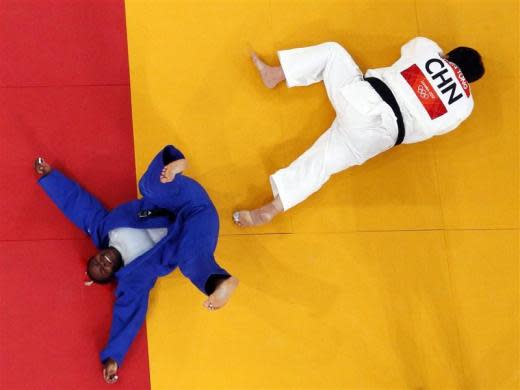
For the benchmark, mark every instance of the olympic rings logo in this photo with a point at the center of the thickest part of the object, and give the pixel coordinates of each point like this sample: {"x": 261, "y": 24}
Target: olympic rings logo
{"x": 423, "y": 92}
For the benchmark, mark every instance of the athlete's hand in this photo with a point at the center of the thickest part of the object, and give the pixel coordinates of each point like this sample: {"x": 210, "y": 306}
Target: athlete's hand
{"x": 110, "y": 371}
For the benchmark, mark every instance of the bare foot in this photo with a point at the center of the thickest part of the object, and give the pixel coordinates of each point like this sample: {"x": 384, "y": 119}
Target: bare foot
{"x": 41, "y": 167}
{"x": 169, "y": 171}
{"x": 271, "y": 75}
{"x": 246, "y": 218}
{"x": 260, "y": 216}
{"x": 221, "y": 294}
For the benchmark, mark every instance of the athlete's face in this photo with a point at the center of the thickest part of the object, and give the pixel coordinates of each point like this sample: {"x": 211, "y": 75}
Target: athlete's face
{"x": 102, "y": 266}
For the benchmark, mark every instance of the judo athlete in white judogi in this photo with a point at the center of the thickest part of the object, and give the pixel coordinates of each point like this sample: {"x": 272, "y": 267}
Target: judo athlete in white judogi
{"x": 424, "y": 94}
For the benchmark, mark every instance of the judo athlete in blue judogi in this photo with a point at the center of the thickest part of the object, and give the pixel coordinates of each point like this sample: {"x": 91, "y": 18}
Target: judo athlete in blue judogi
{"x": 175, "y": 224}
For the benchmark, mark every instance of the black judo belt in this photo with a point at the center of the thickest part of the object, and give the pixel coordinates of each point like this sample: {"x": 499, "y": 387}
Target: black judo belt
{"x": 388, "y": 97}
{"x": 154, "y": 213}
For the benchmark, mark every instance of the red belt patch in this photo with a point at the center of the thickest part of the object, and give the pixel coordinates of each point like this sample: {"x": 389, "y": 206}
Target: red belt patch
{"x": 424, "y": 91}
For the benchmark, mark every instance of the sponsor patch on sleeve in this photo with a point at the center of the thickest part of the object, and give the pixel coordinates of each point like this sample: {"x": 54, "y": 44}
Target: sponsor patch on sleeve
{"x": 424, "y": 91}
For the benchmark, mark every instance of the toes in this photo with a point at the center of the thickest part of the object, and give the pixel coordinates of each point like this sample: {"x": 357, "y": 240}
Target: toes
{"x": 242, "y": 218}
{"x": 165, "y": 179}
{"x": 166, "y": 176}
{"x": 208, "y": 304}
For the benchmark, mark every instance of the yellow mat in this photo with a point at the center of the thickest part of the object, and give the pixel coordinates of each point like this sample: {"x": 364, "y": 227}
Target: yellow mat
{"x": 399, "y": 274}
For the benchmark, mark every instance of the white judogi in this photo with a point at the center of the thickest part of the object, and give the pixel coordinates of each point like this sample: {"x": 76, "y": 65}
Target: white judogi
{"x": 433, "y": 95}
{"x": 132, "y": 243}
{"x": 365, "y": 125}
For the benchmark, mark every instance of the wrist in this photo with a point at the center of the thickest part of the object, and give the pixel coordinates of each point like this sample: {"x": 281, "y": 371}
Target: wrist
{"x": 110, "y": 361}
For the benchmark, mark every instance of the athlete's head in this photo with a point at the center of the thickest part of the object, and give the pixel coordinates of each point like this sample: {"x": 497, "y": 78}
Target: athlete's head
{"x": 102, "y": 266}
{"x": 469, "y": 61}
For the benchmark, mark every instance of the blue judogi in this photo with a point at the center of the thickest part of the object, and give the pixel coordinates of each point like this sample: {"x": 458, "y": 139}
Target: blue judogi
{"x": 192, "y": 223}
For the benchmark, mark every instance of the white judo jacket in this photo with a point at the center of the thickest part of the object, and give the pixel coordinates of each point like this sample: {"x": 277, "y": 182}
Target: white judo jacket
{"x": 433, "y": 95}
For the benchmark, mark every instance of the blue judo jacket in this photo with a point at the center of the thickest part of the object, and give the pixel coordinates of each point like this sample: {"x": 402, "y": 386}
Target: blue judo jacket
{"x": 192, "y": 223}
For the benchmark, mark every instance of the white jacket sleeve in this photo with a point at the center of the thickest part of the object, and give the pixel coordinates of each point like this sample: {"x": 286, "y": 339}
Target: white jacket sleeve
{"x": 417, "y": 46}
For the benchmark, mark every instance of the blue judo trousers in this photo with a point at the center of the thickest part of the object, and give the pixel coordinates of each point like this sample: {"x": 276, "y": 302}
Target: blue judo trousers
{"x": 192, "y": 223}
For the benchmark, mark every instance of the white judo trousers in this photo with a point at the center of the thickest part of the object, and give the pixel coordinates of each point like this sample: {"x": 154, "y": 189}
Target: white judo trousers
{"x": 364, "y": 125}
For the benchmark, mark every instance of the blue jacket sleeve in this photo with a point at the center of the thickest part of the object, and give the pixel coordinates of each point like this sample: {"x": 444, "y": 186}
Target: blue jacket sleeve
{"x": 79, "y": 206}
{"x": 128, "y": 316}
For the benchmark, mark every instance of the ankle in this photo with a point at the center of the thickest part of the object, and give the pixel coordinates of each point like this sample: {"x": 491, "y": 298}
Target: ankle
{"x": 280, "y": 75}
{"x": 266, "y": 213}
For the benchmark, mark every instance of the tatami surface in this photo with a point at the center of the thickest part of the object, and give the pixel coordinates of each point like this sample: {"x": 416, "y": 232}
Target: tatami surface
{"x": 399, "y": 274}
{"x": 402, "y": 273}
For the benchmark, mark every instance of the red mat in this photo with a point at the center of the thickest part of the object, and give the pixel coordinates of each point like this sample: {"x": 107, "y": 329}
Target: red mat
{"x": 85, "y": 131}
{"x": 52, "y": 327}
{"x": 62, "y": 42}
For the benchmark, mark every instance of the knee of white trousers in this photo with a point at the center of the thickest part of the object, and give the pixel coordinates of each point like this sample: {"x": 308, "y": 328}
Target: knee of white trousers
{"x": 335, "y": 48}
{"x": 333, "y": 45}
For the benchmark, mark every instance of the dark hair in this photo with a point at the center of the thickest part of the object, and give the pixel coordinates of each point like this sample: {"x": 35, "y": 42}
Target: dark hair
{"x": 469, "y": 61}
{"x": 106, "y": 280}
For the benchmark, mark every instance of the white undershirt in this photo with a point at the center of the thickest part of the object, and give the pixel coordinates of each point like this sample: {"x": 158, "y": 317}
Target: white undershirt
{"x": 132, "y": 243}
